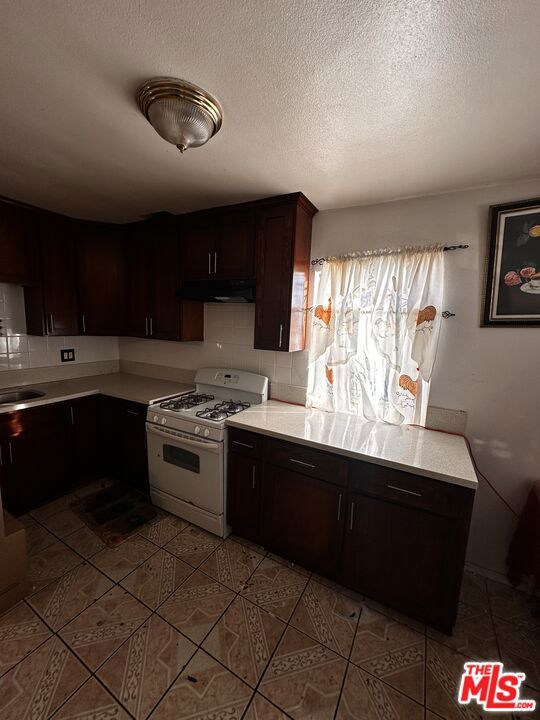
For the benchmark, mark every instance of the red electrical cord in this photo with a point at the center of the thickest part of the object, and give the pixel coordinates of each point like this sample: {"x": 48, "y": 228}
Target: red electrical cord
{"x": 497, "y": 493}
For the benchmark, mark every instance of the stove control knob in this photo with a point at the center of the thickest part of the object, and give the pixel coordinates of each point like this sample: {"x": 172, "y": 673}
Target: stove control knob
{"x": 163, "y": 421}
{"x": 206, "y": 432}
{"x": 156, "y": 418}
{"x": 197, "y": 430}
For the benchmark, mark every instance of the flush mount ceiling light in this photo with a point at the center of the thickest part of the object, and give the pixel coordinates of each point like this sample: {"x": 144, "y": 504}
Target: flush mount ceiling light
{"x": 182, "y": 113}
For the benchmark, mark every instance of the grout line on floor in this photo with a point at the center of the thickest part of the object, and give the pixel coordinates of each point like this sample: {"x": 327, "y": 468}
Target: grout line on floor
{"x": 265, "y": 553}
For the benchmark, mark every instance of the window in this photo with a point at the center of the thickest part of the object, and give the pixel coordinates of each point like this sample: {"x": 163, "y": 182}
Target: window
{"x": 374, "y": 333}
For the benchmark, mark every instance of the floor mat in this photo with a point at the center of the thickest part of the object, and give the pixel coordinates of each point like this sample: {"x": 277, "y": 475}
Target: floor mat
{"x": 115, "y": 512}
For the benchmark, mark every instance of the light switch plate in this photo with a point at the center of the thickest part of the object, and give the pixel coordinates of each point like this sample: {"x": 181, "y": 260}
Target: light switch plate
{"x": 67, "y": 355}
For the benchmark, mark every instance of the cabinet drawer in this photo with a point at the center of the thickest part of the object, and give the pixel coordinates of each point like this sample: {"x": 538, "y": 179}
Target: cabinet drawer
{"x": 412, "y": 490}
{"x": 315, "y": 463}
{"x": 244, "y": 442}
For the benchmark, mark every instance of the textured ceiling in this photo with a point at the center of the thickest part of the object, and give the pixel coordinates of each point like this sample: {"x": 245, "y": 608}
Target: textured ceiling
{"x": 350, "y": 101}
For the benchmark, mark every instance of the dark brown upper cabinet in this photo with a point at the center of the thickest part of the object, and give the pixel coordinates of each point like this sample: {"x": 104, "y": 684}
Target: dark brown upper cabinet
{"x": 101, "y": 278}
{"x": 137, "y": 250}
{"x": 234, "y": 253}
{"x": 197, "y": 243}
{"x": 283, "y": 257}
{"x": 152, "y": 262}
{"x": 219, "y": 244}
{"x": 17, "y": 264}
{"x": 51, "y": 305}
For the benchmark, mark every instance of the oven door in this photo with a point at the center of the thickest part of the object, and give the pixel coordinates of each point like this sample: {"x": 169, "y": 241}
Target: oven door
{"x": 186, "y": 467}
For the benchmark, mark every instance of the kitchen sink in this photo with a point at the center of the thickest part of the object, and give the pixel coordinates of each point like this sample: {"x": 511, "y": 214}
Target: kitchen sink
{"x": 17, "y": 396}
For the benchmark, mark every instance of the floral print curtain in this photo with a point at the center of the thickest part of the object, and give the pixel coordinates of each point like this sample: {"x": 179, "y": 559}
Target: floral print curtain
{"x": 374, "y": 333}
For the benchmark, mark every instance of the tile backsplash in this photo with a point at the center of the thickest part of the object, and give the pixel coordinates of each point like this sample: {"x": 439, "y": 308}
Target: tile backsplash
{"x": 19, "y": 351}
{"x": 228, "y": 342}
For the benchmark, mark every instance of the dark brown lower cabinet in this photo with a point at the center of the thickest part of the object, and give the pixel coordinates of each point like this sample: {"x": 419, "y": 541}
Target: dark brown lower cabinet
{"x": 302, "y": 518}
{"x": 404, "y": 558}
{"x": 82, "y": 418}
{"x": 35, "y": 449}
{"x": 396, "y": 537}
{"x": 244, "y": 495}
{"x": 49, "y": 450}
{"x": 122, "y": 441}
{"x": 134, "y": 458}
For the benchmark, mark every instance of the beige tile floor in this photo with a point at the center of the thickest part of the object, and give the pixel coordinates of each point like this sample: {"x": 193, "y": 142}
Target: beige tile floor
{"x": 176, "y": 623}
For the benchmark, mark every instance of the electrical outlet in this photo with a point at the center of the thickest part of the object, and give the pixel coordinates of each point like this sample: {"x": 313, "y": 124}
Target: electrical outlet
{"x": 67, "y": 355}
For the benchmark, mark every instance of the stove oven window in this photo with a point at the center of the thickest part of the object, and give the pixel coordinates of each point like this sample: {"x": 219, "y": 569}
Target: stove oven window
{"x": 181, "y": 458}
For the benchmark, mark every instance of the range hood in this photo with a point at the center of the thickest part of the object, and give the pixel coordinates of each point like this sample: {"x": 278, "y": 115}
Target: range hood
{"x": 233, "y": 291}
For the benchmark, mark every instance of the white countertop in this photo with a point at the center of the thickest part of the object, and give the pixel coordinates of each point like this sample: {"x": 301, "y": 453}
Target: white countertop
{"x": 136, "y": 388}
{"x": 433, "y": 454}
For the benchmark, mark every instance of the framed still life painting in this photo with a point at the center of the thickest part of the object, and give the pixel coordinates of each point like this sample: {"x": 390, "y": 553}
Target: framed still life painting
{"x": 513, "y": 273}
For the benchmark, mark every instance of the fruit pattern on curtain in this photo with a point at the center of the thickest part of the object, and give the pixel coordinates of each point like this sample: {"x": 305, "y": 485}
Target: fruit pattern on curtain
{"x": 374, "y": 333}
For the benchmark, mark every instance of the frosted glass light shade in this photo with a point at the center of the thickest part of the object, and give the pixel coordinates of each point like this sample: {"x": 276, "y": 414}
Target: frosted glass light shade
{"x": 183, "y": 114}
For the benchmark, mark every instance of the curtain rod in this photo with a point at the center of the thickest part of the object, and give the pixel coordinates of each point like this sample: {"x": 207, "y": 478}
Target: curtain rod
{"x": 320, "y": 261}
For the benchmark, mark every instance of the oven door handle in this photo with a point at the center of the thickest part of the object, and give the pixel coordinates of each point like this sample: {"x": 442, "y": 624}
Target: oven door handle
{"x": 207, "y": 445}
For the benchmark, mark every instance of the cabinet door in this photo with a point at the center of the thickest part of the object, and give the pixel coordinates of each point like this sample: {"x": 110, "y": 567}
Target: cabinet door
{"x": 16, "y": 244}
{"x": 35, "y": 459}
{"x": 134, "y": 461}
{"x": 51, "y": 306}
{"x": 197, "y": 249}
{"x": 165, "y": 269}
{"x": 101, "y": 276}
{"x": 83, "y": 421}
{"x": 302, "y": 518}
{"x": 243, "y": 495}
{"x": 137, "y": 281}
{"x": 122, "y": 441}
{"x": 275, "y": 251}
{"x": 403, "y": 557}
{"x": 234, "y": 254}
{"x": 110, "y": 436}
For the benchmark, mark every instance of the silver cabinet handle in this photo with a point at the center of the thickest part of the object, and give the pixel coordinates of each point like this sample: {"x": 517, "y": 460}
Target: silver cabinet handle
{"x": 10, "y": 453}
{"x": 237, "y": 442}
{"x": 402, "y": 490}
{"x": 351, "y": 523}
{"x": 51, "y": 322}
{"x": 83, "y": 323}
{"x": 71, "y": 413}
{"x": 280, "y": 335}
{"x": 215, "y": 263}
{"x": 339, "y": 508}
{"x": 133, "y": 412}
{"x": 146, "y": 326}
{"x": 299, "y": 462}
{"x": 209, "y": 263}
{"x": 253, "y": 478}
{"x": 151, "y": 326}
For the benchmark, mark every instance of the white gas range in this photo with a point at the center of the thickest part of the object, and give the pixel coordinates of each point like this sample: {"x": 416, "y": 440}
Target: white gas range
{"x": 186, "y": 445}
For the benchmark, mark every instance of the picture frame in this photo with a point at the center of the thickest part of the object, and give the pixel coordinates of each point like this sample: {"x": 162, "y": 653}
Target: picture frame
{"x": 512, "y": 288}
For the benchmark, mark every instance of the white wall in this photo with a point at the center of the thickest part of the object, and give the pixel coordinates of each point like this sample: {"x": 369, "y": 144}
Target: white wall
{"x": 19, "y": 351}
{"x": 492, "y": 373}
